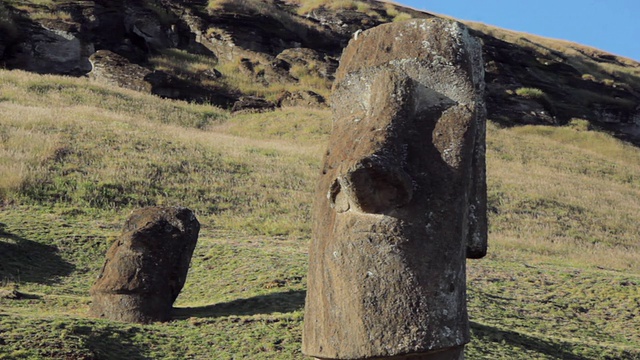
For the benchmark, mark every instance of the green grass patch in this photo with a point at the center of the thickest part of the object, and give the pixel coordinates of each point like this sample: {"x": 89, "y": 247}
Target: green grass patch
{"x": 184, "y": 64}
{"x": 530, "y": 93}
{"x": 125, "y": 150}
{"x": 295, "y": 124}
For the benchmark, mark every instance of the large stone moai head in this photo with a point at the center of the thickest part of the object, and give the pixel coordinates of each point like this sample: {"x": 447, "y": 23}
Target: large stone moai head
{"x": 401, "y": 201}
{"x": 147, "y": 266}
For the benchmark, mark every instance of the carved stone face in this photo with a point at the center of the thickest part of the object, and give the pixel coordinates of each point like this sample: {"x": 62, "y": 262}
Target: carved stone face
{"x": 400, "y": 202}
{"x": 147, "y": 266}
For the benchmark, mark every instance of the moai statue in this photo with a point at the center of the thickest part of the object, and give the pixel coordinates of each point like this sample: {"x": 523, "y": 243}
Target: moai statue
{"x": 401, "y": 201}
{"x": 147, "y": 266}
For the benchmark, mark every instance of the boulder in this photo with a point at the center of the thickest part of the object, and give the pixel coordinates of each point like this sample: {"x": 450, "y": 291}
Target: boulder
{"x": 147, "y": 266}
{"x": 111, "y": 68}
{"x": 52, "y": 51}
{"x": 313, "y": 61}
{"x": 302, "y": 98}
{"x": 8, "y": 31}
{"x": 401, "y": 202}
{"x": 147, "y": 25}
{"x": 252, "y": 104}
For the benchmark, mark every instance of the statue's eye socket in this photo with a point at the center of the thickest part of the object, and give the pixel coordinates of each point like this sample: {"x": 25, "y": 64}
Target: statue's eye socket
{"x": 379, "y": 190}
{"x": 371, "y": 188}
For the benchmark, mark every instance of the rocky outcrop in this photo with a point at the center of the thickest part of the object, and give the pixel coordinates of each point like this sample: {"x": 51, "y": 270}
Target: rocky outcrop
{"x": 252, "y": 104}
{"x": 130, "y": 29}
{"x": 111, "y": 68}
{"x": 147, "y": 266}
{"x": 345, "y": 22}
{"x": 301, "y": 98}
{"x": 8, "y": 31}
{"x": 284, "y": 46}
{"x": 312, "y": 61}
{"x": 401, "y": 202}
{"x": 148, "y": 26}
{"x": 51, "y": 50}
{"x": 568, "y": 79}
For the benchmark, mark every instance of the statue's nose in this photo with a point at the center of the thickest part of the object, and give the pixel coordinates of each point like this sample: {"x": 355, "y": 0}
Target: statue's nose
{"x": 371, "y": 187}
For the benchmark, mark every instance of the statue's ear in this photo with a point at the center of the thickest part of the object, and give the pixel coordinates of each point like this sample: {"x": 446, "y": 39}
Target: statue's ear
{"x": 477, "y": 212}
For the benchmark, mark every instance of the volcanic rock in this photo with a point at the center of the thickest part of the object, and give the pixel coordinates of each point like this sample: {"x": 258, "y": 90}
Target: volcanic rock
{"x": 147, "y": 266}
{"x": 401, "y": 201}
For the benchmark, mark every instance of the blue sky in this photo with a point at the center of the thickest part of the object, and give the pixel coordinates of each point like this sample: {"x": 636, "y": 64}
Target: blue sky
{"x": 609, "y": 25}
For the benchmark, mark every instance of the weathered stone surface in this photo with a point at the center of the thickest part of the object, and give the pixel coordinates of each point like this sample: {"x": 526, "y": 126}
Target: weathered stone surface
{"x": 111, "y": 68}
{"x": 147, "y": 266}
{"x": 302, "y": 98}
{"x": 401, "y": 201}
{"x": 252, "y": 104}
{"x": 313, "y": 61}
{"x": 146, "y": 24}
{"x": 53, "y": 50}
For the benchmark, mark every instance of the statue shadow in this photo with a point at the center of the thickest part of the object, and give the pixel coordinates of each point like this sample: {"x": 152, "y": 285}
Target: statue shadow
{"x": 557, "y": 350}
{"x": 112, "y": 342}
{"x": 27, "y": 261}
{"x": 281, "y": 302}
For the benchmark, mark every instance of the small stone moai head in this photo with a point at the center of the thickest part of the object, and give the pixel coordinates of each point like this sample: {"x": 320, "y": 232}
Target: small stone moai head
{"x": 147, "y": 266}
{"x": 401, "y": 202}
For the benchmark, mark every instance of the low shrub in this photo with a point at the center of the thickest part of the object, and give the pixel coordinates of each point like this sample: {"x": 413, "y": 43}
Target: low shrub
{"x": 530, "y": 93}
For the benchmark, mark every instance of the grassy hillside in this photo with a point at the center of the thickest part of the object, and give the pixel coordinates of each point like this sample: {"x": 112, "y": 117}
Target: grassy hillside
{"x": 561, "y": 281}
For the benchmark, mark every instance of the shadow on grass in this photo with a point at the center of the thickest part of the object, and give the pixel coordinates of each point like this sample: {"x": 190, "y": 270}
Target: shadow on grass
{"x": 112, "y": 343}
{"x": 282, "y": 302}
{"x": 556, "y": 350}
{"x": 26, "y": 261}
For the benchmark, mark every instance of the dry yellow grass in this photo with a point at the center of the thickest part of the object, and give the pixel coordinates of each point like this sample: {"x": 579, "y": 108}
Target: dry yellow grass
{"x": 183, "y": 63}
{"x": 122, "y": 149}
{"x": 24, "y": 147}
{"x": 394, "y": 14}
{"x": 564, "y": 195}
{"x": 306, "y": 7}
{"x": 557, "y": 194}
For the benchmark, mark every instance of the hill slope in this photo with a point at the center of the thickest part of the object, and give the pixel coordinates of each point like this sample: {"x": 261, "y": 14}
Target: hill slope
{"x": 218, "y": 51}
{"x": 561, "y": 279}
